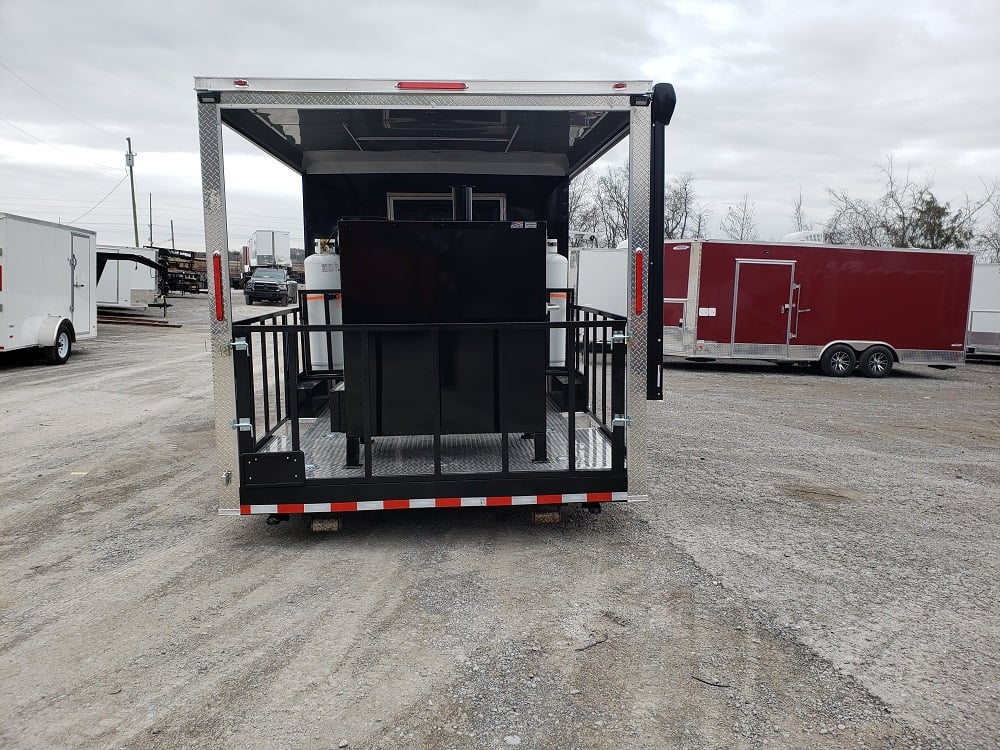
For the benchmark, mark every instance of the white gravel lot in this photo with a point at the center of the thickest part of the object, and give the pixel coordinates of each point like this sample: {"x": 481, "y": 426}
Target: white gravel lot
{"x": 818, "y": 566}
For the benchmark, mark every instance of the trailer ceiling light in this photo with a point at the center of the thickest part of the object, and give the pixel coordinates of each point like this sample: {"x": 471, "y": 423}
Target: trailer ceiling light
{"x": 239, "y": 82}
{"x": 431, "y": 86}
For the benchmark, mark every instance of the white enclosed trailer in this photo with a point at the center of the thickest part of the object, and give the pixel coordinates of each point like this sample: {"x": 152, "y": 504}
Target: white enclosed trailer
{"x": 271, "y": 248}
{"x": 48, "y": 293}
{"x": 125, "y": 283}
{"x": 984, "y": 311}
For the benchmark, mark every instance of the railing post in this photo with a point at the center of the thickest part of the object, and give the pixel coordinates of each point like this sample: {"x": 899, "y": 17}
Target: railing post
{"x": 618, "y": 398}
{"x": 291, "y": 343}
{"x": 571, "y": 396}
{"x": 243, "y": 377}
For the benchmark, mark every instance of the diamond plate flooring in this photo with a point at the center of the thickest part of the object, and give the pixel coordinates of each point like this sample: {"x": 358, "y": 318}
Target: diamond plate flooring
{"x": 326, "y": 452}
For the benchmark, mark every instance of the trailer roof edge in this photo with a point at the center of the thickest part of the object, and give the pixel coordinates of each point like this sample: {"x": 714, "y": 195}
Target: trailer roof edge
{"x": 405, "y": 86}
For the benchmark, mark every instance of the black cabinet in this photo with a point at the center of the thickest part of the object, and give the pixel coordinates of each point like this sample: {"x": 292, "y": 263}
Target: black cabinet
{"x": 440, "y": 273}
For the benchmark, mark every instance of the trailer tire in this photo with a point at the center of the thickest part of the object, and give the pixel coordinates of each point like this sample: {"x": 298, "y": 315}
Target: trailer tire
{"x": 838, "y": 361}
{"x": 876, "y": 362}
{"x": 59, "y": 352}
{"x": 248, "y": 298}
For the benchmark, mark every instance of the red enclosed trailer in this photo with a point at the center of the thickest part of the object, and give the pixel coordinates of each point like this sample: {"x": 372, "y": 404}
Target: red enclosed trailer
{"x": 844, "y": 307}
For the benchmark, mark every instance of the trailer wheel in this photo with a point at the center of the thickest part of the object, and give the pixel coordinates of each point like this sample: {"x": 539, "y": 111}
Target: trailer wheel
{"x": 838, "y": 361}
{"x": 58, "y": 353}
{"x": 876, "y": 362}
{"x": 248, "y": 299}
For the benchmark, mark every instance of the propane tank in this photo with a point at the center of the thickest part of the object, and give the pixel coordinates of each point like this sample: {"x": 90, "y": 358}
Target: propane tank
{"x": 322, "y": 270}
{"x": 556, "y": 277}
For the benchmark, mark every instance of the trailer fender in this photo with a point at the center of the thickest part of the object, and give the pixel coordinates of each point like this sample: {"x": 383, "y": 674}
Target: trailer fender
{"x": 48, "y": 328}
{"x": 859, "y": 346}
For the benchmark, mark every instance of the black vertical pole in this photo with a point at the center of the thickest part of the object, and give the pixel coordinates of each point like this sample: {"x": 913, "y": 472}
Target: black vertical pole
{"x": 663, "y": 103}
{"x": 461, "y": 202}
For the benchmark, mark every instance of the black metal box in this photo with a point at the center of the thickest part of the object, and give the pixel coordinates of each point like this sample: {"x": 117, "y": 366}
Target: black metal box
{"x": 442, "y": 273}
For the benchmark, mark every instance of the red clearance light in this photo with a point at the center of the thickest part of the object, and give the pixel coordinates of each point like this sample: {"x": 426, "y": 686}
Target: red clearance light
{"x": 220, "y": 305}
{"x": 431, "y": 86}
{"x": 620, "y": 85}
{"x": 638, "y": 283}
{"x": 241, "y": 83}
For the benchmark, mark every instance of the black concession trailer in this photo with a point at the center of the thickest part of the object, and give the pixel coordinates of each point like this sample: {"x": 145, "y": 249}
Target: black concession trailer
{"x": 420, "y": 372}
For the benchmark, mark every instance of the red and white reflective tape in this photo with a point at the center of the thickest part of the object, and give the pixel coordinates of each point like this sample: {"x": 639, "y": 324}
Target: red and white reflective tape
{"x": 433, "y": 502}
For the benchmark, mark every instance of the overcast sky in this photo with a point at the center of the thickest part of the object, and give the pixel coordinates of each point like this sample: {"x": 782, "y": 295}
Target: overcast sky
{"x": 774, "y": 97}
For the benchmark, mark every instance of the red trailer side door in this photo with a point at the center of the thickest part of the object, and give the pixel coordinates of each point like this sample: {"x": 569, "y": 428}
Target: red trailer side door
{"x": 762, "y": 308}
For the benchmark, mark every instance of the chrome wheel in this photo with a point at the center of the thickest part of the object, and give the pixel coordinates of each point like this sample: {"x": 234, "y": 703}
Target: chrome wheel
{"x": 838, "y": 361}
{"x": 876, "y": 362}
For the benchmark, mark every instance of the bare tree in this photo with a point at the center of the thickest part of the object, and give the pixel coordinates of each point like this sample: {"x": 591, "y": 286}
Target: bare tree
{"x": 699, "y": 225}
{"x": 678, "y": 206}
{"x": 683, "y": 215}
{"x": 906, "y": 215}
{"x": 583, "y": 214}
{"x": 740, "y": 222}
{"x": 799, "y": 215}
{"x": 599, "y": 205}
{"x": 988, "y": 240}
{"x": 611, "y": 200}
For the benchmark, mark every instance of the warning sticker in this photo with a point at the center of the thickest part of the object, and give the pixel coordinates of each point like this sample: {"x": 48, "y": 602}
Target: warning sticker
{"x": 517, "y": 225}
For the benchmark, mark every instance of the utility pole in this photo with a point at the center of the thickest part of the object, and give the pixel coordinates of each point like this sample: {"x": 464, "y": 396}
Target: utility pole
{"x": 130, "y": 163}
{"x": 172, "y": 245}
{"x": 150, "y": 219}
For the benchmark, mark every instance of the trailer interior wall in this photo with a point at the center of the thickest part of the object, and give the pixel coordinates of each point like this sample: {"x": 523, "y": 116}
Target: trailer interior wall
{"x": 356, "y": 141}
{"x": 329, "y": 197}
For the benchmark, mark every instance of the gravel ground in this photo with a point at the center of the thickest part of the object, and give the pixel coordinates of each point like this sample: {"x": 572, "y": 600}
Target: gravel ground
{"x": 818, "y": 566}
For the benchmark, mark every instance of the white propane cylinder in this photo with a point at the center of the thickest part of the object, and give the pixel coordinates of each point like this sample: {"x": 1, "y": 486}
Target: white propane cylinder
{"x": 322, "y": 270}
{"x": 556, "y": 277}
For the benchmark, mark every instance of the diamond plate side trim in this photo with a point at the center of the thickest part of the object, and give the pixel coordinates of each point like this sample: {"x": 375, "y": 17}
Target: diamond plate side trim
{"x": 216, "y": 239}
{"x": 640, "y": 148}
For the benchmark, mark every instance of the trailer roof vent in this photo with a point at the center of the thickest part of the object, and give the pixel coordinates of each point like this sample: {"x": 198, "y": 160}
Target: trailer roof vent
{"x": 431, "y": 86}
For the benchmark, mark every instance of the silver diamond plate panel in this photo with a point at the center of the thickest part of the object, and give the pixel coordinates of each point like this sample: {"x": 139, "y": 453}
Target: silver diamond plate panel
{"x": 930, "y": 357}
{"x": 813, "y": 353}
{"x": 674, "y": 340}
{"x": 308, "y": 100}
{"x": 325, "y": 451}
{"x": 760, "y": 351}
{"x": 640, "y": 149}
{"x": 216, "y": 238}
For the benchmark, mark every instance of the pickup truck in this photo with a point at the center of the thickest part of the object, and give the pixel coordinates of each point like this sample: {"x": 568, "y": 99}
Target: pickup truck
{"x": 272, "y": 284}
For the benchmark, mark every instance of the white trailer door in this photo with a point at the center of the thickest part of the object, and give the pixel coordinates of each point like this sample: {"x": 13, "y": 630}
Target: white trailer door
{"x": 80, "y": 262}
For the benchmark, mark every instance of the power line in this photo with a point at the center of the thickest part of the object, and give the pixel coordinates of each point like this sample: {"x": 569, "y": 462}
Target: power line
{"x": 100, "y": 201}
{"x": 21, "y": 130}
{"x": 52, "y": 101}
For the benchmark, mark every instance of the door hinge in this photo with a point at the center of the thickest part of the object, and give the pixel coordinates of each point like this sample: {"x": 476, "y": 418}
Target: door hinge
{"x": 243, "y": 425}
{"x": 621, "y": 420}
{"x": 620, "y": 338}
{"x": 238, "y": 345}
